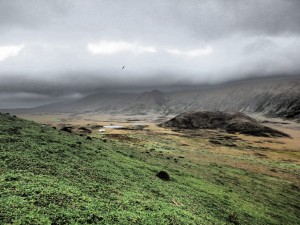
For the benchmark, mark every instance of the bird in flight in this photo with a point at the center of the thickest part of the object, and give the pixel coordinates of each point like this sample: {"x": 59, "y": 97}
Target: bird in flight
{"x": 123, "y": 67}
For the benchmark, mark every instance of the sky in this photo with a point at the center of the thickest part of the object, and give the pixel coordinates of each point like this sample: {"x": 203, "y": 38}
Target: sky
{"x": 64, "y": 49}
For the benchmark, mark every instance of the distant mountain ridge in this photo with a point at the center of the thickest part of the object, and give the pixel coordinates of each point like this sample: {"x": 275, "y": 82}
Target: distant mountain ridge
{"x": 275, "y": 97}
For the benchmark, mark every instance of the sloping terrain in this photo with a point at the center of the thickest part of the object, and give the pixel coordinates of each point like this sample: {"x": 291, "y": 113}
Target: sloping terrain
{"x": 49, "y": 176}
{"x": 230, "y": 122}
{"x": 273, "y": 96}
{"x": 113, "y": 103}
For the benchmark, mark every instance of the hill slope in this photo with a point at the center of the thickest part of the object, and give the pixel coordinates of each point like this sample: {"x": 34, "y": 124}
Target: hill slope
{"x": 54, "y": 177}
{"x": 273, "y": 96}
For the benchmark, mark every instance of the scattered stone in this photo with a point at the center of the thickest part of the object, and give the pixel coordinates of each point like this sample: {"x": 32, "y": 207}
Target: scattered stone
{"x": 66, "y": 129}
{"x": 163, "y": 175}
{"x": 84, "y": 130}
{"x": 88, "y": 138}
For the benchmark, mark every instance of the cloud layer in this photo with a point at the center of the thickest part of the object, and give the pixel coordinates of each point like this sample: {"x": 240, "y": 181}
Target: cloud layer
{"x": 74, "y": 47}
{"x": 8, "y": 51}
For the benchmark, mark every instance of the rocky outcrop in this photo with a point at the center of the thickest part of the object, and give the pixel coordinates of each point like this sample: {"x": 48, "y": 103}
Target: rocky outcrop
{"x": 230, "y": 122}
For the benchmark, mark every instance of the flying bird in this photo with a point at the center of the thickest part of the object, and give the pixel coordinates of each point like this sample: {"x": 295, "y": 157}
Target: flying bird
{"x": 123, "y": 67}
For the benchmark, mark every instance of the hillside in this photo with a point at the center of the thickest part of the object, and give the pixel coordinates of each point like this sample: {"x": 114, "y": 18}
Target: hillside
{"x": 275, "y": 97}
{"x": 49, "y": 176}
{"x": 272, "y": 96}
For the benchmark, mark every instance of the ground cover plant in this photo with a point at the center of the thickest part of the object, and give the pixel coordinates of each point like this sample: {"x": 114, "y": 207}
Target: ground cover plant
{"x": 48, "y": 176}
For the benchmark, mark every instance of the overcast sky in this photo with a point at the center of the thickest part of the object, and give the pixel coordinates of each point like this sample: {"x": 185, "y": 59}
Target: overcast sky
{"x": 61, "y": 49}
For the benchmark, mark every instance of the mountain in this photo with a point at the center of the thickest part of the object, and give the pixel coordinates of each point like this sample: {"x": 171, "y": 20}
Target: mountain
{"x": 271, "y": 96}
{"x": 275, "y": 97}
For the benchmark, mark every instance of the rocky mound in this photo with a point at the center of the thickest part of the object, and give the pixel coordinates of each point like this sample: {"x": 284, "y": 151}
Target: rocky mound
{"x": 230, "y": 122}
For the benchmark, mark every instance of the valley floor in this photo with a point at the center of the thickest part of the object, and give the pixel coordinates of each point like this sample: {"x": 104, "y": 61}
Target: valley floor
{"x": 216, "y": 178}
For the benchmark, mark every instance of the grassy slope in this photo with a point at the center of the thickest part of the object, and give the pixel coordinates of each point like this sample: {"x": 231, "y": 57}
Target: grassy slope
{"x": 48, "y": 176}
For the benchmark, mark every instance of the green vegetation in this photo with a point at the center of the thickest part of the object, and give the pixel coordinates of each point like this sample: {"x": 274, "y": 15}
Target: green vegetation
{"x": 49, "y": 176}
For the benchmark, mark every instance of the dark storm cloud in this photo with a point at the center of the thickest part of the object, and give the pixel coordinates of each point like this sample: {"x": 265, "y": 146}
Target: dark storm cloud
{"x": 63, "y": 47}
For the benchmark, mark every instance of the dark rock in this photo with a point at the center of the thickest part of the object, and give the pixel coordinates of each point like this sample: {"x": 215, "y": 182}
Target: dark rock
{"x": 88, "y": 138}
{"x": 84, "y": 130}
{"x": 230, "y": 122}
{"x": 163, "y": 175}
{"x": 66, "y": 129}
